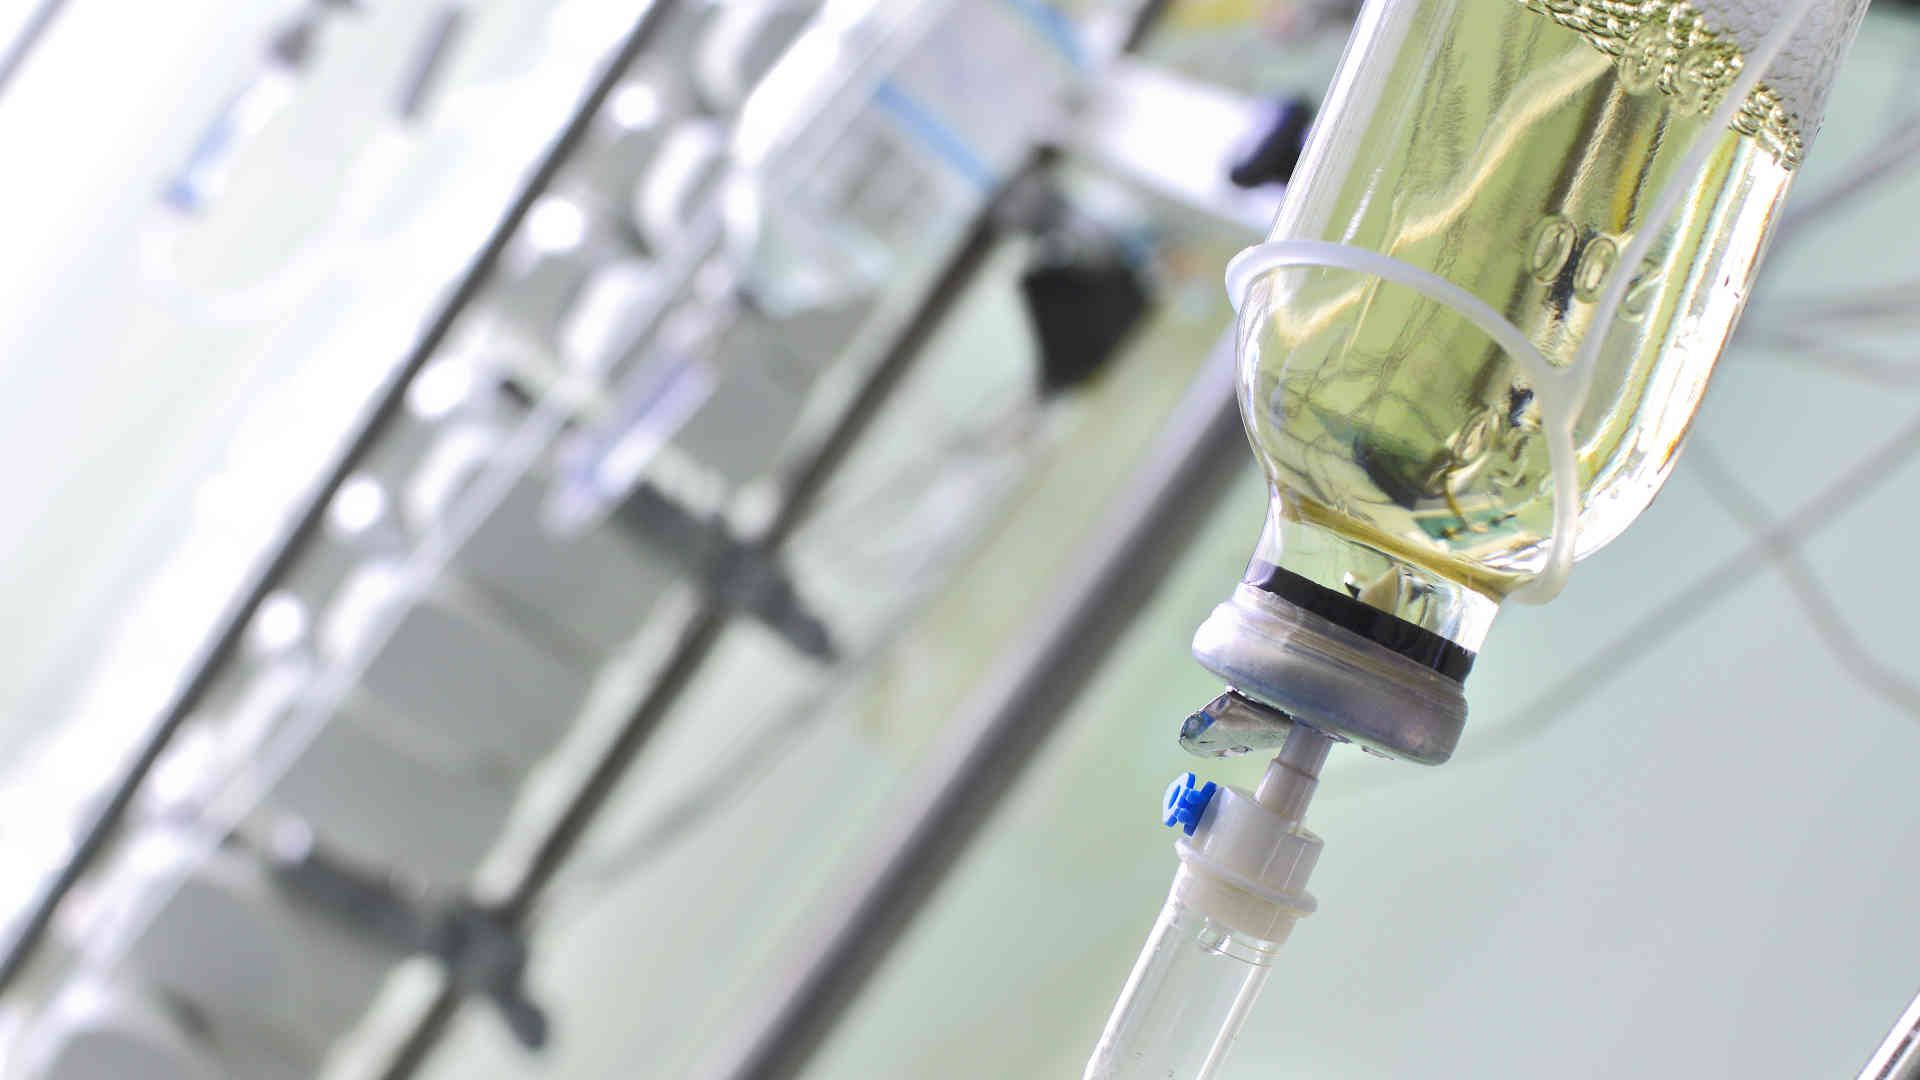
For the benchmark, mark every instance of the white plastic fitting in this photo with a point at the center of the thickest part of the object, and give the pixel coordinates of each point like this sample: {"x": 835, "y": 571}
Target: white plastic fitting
{"x": 1246, "y": 867}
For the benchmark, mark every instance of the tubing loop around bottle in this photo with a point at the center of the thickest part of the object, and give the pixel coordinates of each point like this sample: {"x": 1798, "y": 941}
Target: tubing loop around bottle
{"x": 1257, "y": 260}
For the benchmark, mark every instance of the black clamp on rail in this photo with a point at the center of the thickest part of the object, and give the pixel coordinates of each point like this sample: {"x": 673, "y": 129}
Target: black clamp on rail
{"x": 481, "y": 953}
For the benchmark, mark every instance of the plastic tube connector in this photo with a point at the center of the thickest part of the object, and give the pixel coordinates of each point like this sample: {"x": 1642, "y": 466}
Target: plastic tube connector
{"x": 1241, "y": 887}
{"x": 1186, "y": 800}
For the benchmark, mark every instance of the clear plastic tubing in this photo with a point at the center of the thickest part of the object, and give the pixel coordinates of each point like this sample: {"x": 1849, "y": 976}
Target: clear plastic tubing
{"x": 1188, "y": 995}
{"x": 1240, "y": 888}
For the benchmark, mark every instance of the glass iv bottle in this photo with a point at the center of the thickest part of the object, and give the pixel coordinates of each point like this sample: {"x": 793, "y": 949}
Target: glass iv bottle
{"x": 1515, "y": 149}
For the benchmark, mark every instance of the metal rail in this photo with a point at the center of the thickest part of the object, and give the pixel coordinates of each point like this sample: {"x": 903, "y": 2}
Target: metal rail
{"x": 999, "y": 730}
{"x": 31, "y": 929}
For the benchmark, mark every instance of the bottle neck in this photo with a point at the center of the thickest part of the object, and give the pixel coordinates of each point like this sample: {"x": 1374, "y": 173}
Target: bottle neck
{"x": 1423, "y": 616}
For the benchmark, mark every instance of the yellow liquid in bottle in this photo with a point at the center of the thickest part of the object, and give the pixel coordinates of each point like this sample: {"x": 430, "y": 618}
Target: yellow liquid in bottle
{"x": 1514, "y": 155}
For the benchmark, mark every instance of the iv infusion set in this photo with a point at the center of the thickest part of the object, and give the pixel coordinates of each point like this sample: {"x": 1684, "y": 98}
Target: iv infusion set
{"x": 1468, "y": 354}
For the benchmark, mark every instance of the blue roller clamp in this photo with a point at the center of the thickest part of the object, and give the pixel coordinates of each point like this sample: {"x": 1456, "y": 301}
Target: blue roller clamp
{"x": 1186, "y": 800}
